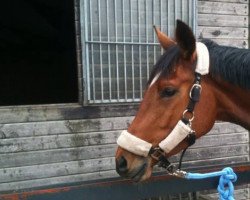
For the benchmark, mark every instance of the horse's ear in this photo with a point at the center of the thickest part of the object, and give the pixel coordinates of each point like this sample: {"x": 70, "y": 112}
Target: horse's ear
{"x": 164, "y": 40}
{"x": 185, "y": 39}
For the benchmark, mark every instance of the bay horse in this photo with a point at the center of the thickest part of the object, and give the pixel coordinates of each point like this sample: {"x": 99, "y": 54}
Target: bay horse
{"x": 178, "y": 100}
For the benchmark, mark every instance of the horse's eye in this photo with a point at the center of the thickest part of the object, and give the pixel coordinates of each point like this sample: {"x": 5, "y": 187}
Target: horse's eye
{"x": 168, "y": 92}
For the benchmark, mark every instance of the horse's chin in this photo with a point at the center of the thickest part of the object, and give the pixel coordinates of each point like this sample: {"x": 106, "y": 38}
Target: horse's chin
{"x": 145, "y": 176}
{"x": 141, "y": 174}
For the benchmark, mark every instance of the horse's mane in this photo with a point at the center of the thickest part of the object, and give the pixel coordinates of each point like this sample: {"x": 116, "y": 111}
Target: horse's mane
{"x": 229, "y": 63}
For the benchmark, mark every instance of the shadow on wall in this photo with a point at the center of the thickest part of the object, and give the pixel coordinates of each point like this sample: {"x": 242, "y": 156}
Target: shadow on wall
{"x": 37, "y": 52}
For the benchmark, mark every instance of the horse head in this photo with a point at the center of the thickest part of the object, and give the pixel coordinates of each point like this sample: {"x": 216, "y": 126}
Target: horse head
{"x": 165, "y": 107}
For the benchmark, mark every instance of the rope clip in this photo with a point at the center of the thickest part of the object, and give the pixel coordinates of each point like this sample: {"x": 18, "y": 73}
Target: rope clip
{"x": 179, "y": 173}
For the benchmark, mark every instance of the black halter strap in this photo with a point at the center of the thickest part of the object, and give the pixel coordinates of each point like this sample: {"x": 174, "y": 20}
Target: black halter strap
{"x": 194, "y": 96}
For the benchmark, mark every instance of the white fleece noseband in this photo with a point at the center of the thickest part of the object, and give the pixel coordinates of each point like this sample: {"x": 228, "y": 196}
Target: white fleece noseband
{"x": 179, "y": 133}
{"x": 140, "y": 147}
{"x": 133, "y": 144}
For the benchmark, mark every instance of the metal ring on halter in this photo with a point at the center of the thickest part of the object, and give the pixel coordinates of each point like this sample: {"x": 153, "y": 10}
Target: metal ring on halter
{"x": 192, "y": 116}
{"x": 194, "y": 85}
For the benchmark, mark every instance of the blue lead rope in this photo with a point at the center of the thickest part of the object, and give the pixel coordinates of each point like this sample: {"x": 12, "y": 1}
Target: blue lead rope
{"x": 225, "y": 187}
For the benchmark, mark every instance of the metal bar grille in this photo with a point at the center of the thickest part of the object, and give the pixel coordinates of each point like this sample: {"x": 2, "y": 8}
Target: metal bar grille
{"x": 121, "y": 46}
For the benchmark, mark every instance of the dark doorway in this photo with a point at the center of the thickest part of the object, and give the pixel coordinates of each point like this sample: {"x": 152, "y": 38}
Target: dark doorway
{"x": 37, "y": 52}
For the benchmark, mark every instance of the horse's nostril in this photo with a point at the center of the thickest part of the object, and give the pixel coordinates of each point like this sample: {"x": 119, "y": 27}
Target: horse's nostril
{"x": 121, "y": 165}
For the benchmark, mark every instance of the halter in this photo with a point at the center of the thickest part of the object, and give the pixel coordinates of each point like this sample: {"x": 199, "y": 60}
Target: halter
{"x": 183, "y": 128}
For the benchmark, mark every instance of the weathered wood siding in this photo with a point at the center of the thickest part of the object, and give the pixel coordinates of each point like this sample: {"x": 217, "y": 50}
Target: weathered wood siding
{"x": 224, "y": 21}
{"x": 51, "y": 152}
{"x": 40, "y": 146}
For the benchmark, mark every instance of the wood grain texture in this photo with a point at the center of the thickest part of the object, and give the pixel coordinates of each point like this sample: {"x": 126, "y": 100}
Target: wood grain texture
{"x": 60, "y": 141}
{"x": 56, "y": 155}
{"x": 57, "y": 141}
{"x": 222, "y": 32}
{"x": 18, "y": 130}
{"x": 223, "y": 8}
{"x": 33, "y": 183}
{"x": 232, "y": 42}
{"x": 38, "y": 113}
{"x": 222, "y": 20}
{"x": 56, "y": 169}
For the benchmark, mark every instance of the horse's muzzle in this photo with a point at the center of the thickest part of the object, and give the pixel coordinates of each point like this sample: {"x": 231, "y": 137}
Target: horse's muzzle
{"x": 134, "y": 170}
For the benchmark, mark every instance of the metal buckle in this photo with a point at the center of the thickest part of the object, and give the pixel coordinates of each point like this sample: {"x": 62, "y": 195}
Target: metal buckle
{"x": 170, "y": 169}
{"x": 194, "y": 85}
{"x": 157, "y": 153}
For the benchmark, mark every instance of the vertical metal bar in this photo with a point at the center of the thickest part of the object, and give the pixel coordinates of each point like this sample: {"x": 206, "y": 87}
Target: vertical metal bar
{"x": 124, "y": 51}
{"x": 132, "y": 52}
{"x": 154, "y": 32}
{"x": 139, "y": 33}
{"x": 168, "y": 16}
{"x": 181, "y": 10}
{"x": 161, "y": 7}
{"x": 92, "y": 51}
{"x": 190, "y": 12}
{"x": 194, "y": 17}
{"x": 116, "y": 54}
{"x": 109, "y": 65}
{"x": 87, "y": 78}
{"x": 146, "y": 19}
{"x": 175, "y": 11}
{"x": 100, "y": 47}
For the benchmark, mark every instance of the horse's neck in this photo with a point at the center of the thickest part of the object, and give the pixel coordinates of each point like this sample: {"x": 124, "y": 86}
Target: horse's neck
{"x": 233, "y": 103}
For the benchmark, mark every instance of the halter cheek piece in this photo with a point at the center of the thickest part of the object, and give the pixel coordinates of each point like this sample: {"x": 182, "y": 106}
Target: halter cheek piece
{"x": 182, "y": 130}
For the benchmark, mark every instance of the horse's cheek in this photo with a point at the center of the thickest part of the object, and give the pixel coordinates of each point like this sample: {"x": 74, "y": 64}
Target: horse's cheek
{"x": 205, "y": 115}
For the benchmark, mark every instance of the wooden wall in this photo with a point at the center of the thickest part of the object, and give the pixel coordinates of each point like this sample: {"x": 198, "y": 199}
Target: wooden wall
{"x": 40, "y": 146}
{"x": 227, "y": 23}
{"x": 224, "y": 21}
{"x": 43, "y": 153}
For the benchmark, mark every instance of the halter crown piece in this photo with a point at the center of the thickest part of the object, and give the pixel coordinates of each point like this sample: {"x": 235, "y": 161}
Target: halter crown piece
{"x": 183, "y": 128}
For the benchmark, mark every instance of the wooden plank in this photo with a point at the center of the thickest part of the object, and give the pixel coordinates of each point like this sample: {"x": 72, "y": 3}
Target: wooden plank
{"x": 222, "y": 20}
{"x": 57, "y": 141}
{"x": 99, "y": 138}
{"x": 222, "y": 8}
{"x": 222, "y": 139}
{"x": 232, "y": 42}
{"x": 57, "y": 155}
{"x": 31, "y": 129}
{"x": 216, "y": 152}
{"x": 226, "y": 127}
{"x": 102, "y": 151}
{"x": 222, "y": 32}
{"x": 21, "y": 185}
{"x": 36, "y": 113}
{"x": 226, "y": 160}
{"x": 19, "y": 130}
{"x": 56, "y": 169}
